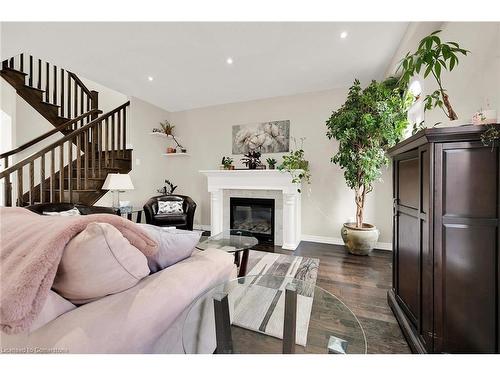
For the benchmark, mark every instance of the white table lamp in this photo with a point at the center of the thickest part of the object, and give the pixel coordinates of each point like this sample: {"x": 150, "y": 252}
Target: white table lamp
{"x": 117, "y": 183}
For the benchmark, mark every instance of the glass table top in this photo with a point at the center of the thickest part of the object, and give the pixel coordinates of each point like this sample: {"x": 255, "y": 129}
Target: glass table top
{"x": 256, "y": 310}
{"x": 231, "y": 240}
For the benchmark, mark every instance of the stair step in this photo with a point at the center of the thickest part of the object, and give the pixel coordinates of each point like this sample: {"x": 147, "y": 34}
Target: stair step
{"x": 51, "y": 104}
{"x": 14, "y": 70}
{"x": 34, "y": 88}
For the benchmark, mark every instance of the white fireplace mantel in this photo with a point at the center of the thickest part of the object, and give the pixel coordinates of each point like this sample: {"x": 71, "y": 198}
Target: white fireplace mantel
{"x": 260, "y": 179}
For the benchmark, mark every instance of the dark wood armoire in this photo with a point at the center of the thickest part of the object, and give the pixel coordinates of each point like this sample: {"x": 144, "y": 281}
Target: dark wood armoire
{"x": 446, "y": 261}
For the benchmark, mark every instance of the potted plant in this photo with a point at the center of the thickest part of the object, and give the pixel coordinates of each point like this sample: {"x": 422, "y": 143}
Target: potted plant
{"x": 433, "y": 56}
{"x": 252, "y": 159}
{"x": 168, "y": 189}
{"x": 271, "y": 162}
{"x": 227, "y": 162}
{"x": 167, "y": 127}
{"x": 368, "y": 123}
{"x": 295, "y": 164}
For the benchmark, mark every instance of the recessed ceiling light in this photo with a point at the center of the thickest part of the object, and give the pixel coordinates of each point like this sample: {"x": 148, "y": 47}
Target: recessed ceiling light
{"x": 150, "y": 78}
{"x": 229, "y": 61}
{"x": 343, "y": 34}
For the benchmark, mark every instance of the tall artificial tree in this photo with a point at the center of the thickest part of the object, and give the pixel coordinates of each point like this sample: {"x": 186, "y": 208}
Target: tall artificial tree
{"x": 370, "y": 121}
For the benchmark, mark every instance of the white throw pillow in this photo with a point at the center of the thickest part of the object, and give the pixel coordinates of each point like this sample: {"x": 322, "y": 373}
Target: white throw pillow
{"x": 170, "y": 207}
{"x": 97, "y": 262}
{"x": 53, "y": 307}
{"x": 174, "y": 245}
{"x": 73, "y": 212}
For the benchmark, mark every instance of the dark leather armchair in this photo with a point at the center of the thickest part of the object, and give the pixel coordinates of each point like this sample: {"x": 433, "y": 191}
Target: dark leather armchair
{"x": 180, "y": 221}
{"x": 84, "y": 209}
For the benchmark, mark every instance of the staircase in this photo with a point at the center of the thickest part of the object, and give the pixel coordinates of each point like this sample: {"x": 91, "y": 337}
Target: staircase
{"x": 73, "y": 168}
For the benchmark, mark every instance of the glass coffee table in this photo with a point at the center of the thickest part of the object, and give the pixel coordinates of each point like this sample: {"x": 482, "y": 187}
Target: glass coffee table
{"x": 271, "y": 314}
{"x": 233, "y": 241}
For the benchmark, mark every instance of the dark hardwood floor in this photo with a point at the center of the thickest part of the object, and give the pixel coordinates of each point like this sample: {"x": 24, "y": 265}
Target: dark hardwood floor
{"x": 361, "y": 282}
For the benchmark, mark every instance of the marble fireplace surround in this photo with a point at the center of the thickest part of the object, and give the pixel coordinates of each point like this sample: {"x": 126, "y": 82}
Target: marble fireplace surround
{"x": 267, "y": 183}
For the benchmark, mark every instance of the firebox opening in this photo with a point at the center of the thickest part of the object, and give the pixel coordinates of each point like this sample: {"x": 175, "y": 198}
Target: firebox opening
{"x": 254, "y": 215}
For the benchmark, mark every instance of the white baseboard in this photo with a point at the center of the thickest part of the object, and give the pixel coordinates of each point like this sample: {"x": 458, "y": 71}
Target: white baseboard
{"x": 339, "y": 241}
{"x": 318, "y": 239}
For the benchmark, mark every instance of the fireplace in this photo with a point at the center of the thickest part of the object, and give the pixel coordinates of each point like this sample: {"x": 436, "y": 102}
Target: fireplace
{"x": 254, "y": 215}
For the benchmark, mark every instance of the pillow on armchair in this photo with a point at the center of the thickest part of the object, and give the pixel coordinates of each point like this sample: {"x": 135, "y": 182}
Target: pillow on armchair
{"x": 170, "y": 207}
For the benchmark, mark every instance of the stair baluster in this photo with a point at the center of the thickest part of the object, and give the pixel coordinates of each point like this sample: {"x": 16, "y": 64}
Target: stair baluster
{"x": 30, "y": 81}
{"x": 47, "y": 80}
{"x": 61, "y": 109}
{"x": 31, "y": 192}
{"x": 42, "y": 178}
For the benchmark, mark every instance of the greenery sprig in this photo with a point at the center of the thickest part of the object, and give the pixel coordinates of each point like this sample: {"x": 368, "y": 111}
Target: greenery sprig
{"x": 433, "y": 56}
{"x": 295, "y": 164}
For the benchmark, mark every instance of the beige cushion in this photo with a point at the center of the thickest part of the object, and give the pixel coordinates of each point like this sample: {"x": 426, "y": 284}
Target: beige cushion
{"x": 54, "y": 306}
{"x": 97, "y": 262}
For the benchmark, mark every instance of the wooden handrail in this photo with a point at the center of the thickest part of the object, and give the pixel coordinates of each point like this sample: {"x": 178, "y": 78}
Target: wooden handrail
{"x": 80, "y": 83}
{"x": 48, "y": 134}
{"x": 61, "y": 141}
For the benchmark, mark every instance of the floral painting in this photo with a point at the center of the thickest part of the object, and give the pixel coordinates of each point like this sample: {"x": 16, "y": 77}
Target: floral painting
{"x": 266, "y": 137}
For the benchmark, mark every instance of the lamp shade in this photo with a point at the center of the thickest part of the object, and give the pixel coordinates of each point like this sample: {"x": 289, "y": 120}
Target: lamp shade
{"x": 116, "y": 181}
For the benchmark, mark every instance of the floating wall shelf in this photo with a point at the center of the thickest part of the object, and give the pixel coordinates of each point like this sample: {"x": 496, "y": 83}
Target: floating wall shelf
{"x": 177, "y": 154}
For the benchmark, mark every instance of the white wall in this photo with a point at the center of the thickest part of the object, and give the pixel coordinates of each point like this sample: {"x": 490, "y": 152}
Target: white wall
{"x": 326, "y": 204}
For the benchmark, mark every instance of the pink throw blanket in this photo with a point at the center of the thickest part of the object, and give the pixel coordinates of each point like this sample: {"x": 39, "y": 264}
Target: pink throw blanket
{"x": 31, "y": 249}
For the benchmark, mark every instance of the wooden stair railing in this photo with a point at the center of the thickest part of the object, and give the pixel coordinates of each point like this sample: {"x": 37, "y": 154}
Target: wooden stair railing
{"x": 86, "y": 153}
{"x": 61, "y": 94}
{"x": 61, "y": 128}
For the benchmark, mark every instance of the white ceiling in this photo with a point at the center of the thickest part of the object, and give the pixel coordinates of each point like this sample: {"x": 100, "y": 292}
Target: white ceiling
{"x": 188, "y": 60}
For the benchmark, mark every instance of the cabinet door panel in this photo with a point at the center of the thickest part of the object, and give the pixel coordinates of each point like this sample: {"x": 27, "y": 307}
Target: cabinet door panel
{"x": 408, "y": 183}
{"x": 470, "y": 177}
{"x": 469, "y": 306}
{"x": 408, "y": 264}
{"x": 466, "y": 248}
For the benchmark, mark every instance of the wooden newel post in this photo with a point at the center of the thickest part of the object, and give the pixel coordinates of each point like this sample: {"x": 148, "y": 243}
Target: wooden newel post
{"x": 94, "y": 104}
{"x": 290, "y": 323}
{"x": 222, "y": 325}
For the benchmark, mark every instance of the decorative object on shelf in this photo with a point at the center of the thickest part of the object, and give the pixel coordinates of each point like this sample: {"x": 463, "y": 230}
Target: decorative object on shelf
{"x": 117, "y": 183}
{"x": 167, "y": 128}
{"x": 168, "y": 189}
{"x": 484, "y": 117}
{"x": 267, "y": 137}
{"x": 227, "y": 163}
{"x": 252, "y": 159}
{"x": 271, "y": 162}
{"x": 491, "y": 137}
{"x": 433, "y": 56}
{"x": 368, "y": 123}
{"x": 295, "y": 164}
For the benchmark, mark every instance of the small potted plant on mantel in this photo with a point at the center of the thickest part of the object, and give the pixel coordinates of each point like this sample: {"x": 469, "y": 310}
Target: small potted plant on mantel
{"x": 271, "y": 162}
{"x": 368, "y": 123}
{"x": 227, "y": 163}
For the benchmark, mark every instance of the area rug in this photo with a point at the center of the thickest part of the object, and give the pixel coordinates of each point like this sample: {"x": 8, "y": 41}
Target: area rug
{"x": 259, "y": 305}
